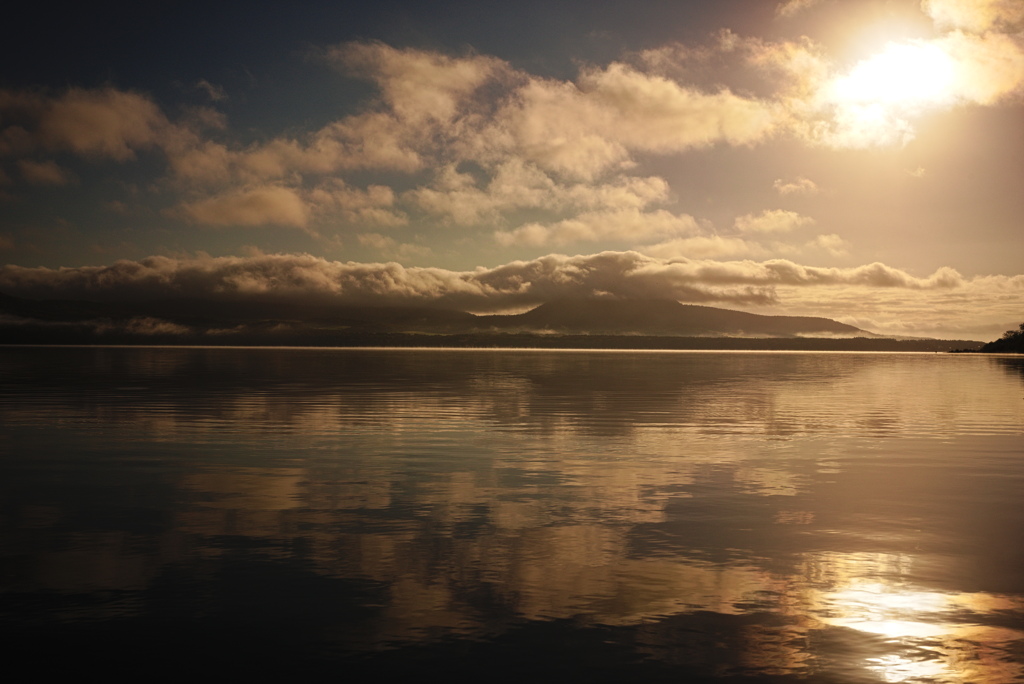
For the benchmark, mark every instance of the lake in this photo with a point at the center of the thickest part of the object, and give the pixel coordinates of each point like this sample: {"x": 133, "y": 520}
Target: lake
{"x": 502, "y": 515}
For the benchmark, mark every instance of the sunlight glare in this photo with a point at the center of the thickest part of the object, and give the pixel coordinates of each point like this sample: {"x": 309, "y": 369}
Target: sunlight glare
{"x": 903, "y": 75}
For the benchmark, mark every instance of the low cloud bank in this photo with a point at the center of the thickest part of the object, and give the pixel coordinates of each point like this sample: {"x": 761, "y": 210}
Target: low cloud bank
{"x": 304, "y": 277}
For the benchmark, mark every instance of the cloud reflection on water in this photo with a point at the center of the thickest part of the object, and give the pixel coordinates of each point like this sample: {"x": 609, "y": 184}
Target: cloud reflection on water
{"x": 478, "y": 494}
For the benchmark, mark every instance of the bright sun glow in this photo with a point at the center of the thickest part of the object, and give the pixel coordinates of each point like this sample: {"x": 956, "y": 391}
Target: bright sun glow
{"x": 901, "y": 76}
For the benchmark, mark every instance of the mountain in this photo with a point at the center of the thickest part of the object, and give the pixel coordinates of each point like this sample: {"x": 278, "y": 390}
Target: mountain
{"x": 566, "y": 323}
{"x": 663, "y": 317}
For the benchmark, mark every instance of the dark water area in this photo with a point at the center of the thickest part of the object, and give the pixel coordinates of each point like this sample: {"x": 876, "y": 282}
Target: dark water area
{"x": 507, "y": 515}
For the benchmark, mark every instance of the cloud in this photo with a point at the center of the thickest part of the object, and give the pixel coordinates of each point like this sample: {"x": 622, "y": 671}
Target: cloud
{"x": 978, "y": 308}
{"x": 772, "y": 221}
{"x": 44, "y": 172}
{"x": 144, "y": 325}
{"x": 266, "y": 205}
{"x": 792, "y": 7}
{"x": 370, "y": 206}
{"x": 417, "y": 85}
{"x": 622, "y": 274}
{"x": 976, "y": 16}
{"x": 373, "y": 140}
{"x": 622, "y": 224}
{"x": 391, "y": 248}
{"x": 332, "y": 201}
{"x": 516, "y": 184}
{"x": 105, "y": 122}
{"x": 832, "y": 243}
{"x": 987, "y": 68}
{"x": 704, "y": 247}
{"x": 214, "y": 92}
{"x": 585, "y": 128}
{"x": 426, "y": 101}
{"x": 899, "y": 301}
{"x": 799, "y": 186}
{"x": 658, "y": 114}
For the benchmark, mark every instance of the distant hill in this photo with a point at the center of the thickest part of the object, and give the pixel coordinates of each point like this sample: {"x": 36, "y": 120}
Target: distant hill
{"x": 568, "y": 323}
{"x": 664, "y": 317}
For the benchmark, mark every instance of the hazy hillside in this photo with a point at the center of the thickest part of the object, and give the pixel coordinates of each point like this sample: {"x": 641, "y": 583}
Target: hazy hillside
{"x": 594, "y": 323}
{"x": 664, "y": 317}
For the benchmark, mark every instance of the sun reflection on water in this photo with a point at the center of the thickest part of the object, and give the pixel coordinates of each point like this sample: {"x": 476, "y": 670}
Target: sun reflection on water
{"x": 933, "y": 636}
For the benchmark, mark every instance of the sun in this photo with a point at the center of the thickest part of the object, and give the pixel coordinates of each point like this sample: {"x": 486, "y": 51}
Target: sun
{"x": 904, "y": 77}
{"x": 875, "y": 102}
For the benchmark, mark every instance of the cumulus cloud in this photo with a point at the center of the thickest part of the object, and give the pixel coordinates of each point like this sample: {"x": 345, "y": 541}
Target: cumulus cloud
{"x": 425, "y": 102}
{"x": 772, "y": 221}
{"x": 433, "y": 108}
{"x": 516, "y": 184}
{"x": 987, "y": 68}
{"x": 584, "y": 128}
{"x": 622, "y": 224}
{"x": 104, "y": 122}
{"x": 705, "y": 247}
{"x": 370, "y": 206}
{"x": 417, "y": 85}
{"x": 798, "y": 186}
{"x": 44, "y": 172}
{"x": 831, "y": 243}
{"x": 976, "y": 16}
{"x": 373, "y": 140}
{"x": 266, "y": 205}
{"x": 792, "y": 7}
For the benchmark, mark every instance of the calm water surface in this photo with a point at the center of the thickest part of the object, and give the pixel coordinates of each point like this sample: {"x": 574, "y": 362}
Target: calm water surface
{"x": 505, "y": 515}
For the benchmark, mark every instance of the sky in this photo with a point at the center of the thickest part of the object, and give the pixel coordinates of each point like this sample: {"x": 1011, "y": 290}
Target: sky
{"x": 861, "y": 160}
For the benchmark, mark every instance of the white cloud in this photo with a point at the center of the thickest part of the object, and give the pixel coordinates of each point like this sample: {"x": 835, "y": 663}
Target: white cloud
{"x": 618, "y": 225}
{"x": 370, "y": 206}
{"x": 798, "y": 186}
{"x": 976, "y": 16}
{"x": 417, "y": 85}
{"x": 704, "y": 247}
{"x": 583, "y": 129}
{"x": 772, "y": 221}
{"x": 987, "y": 68}
{"x": 831, "y": 243}
{"x": 264, "y": 205}
{"x": 516, "y": 184}
{"x": 423, "y": 98}
{"x": 792, "y": 7}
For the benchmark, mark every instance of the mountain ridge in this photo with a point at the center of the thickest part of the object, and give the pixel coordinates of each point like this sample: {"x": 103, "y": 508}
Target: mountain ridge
{"x": 667, "y": 317}
{"x": 584, "y": 323}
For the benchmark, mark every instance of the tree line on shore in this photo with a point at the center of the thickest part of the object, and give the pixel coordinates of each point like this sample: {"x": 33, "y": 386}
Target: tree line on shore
{"x": 1012, "y": 342}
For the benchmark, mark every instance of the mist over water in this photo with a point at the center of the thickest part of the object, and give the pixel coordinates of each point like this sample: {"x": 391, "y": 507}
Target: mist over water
{"x": 587, "y": 516}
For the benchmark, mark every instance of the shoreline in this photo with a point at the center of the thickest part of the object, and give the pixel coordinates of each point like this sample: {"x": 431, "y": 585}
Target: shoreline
{"x": 505, "y": 341}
